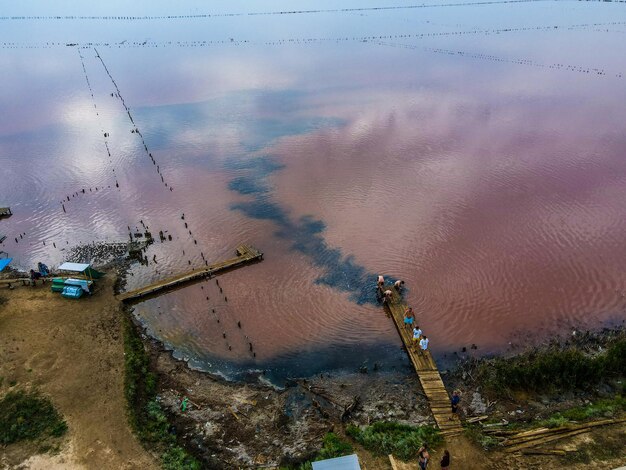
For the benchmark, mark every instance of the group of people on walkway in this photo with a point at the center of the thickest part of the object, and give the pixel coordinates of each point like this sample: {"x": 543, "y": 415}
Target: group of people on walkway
{"x": 387, "y": 294}
{"x": 420, "y": 340}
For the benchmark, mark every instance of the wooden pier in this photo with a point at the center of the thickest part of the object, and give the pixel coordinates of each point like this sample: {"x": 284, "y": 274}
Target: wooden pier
{"x": 245, "y": 255}
{"x": 426, "y": 369}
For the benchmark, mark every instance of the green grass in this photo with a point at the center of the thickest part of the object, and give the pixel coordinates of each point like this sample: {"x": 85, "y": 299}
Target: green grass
{"x": 553, "y": 370}
{"x": 607, "y": 408}
{"x": 402, "y": 440}
{"x": 333, "y": 446}
{"x": 147, "y": 418}
{"x": 28, "y": 416}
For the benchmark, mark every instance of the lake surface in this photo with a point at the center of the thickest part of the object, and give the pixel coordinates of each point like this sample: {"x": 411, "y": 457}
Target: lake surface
{"x": 476, "y": 150}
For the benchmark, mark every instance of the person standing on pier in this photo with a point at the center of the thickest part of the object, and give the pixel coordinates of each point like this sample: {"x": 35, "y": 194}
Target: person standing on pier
{"x": 456, "y": 398}
{"x": 409, "y": 318}
{"x": 399, "y": 285}
{"x": 417, "y": 334}
{"x": 424, "y": 344}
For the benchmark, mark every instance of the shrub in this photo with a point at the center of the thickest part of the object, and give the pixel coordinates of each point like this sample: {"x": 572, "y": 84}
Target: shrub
{"x": 27, "y": 415}
{"x": 552, "y": 370}
{"x": 403, "y": 440}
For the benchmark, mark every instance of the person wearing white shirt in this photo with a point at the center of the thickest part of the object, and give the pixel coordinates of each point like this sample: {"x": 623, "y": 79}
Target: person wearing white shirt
{"x": 424, "y": 343}
{"x": 417, "y": 334}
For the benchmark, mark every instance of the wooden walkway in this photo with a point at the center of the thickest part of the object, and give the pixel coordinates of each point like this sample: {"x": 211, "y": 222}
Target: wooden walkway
{"x": 245, "y": 255}
{"x": 426, "y": 370}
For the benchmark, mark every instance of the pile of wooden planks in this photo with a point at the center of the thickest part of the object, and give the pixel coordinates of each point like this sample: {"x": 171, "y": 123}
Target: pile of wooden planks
{"x": 523, "y": 441}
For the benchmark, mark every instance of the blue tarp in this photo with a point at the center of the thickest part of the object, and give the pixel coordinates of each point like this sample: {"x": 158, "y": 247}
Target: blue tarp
{"x": 4, "y": 262}
{"x": 72, "y": 292}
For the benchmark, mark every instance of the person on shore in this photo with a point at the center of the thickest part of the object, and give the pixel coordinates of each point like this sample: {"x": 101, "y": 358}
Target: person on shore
{"x": 399, "y": 285}
{"x": 424, "y": 344}
{"x": 417, "y": 334}
{"x": 445, "y": 460}
{"x": 33, "y": 277}
{"x": 409, "y": 318}
{"x": 423, "y": 457}
{"x": 43, "y": 269}
{"x": 456, "y": 398}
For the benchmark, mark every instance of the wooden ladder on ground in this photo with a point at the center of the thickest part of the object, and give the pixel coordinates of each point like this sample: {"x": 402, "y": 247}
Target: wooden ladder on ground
{"x": 426, "y": 369}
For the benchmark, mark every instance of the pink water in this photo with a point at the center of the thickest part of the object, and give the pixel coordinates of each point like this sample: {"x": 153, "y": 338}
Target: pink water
{"x": 484, "y": 167}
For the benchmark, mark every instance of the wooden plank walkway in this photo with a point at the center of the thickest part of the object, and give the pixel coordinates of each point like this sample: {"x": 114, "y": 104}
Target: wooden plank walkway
{"x": 245, "y": 254}
{"x": 426, "y": 370}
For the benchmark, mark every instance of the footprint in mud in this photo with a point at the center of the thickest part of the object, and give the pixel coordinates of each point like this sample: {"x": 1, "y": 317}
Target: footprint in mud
{"x": 98, "y": 450}
{"x": 44, "y": 361}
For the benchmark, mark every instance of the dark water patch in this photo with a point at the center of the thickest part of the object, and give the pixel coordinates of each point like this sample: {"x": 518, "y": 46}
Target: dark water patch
{"x": 340, "y": 271}
{"x": 338, "y": 358}
{"x": 262, "y": 166}
{"x": 263, "y": 209}
{"x": 247, "y": 185}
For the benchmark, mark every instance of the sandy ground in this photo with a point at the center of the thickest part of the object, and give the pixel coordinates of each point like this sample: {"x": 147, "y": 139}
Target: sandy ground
{"x": 72, "y": 351}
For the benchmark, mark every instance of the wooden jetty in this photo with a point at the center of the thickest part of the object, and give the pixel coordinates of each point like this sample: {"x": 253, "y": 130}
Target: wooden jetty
{"x": 245, "y": 255}
{"x": 5, "y": 212}
{"x": 426, "y": 370}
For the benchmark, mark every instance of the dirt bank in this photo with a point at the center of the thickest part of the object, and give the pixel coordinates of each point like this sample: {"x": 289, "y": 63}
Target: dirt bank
{"x": 72, "y": 351}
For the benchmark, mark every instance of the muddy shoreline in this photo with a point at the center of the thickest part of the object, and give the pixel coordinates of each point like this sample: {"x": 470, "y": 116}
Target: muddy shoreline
{"x": 250, "y": 425}
{"x": 253, "y": 425}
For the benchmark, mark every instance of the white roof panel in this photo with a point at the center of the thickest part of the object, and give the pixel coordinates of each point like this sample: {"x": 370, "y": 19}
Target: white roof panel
{"x": 76, "y": 267}
{"x": 348, "y": 462}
